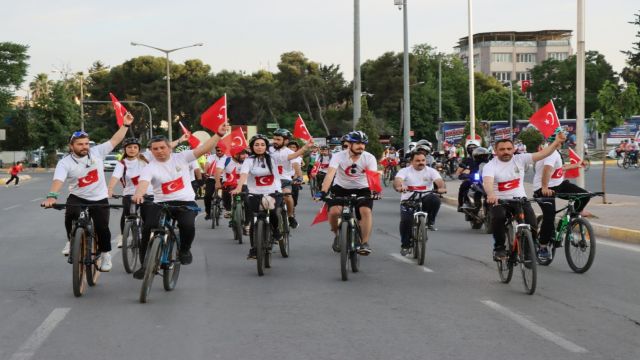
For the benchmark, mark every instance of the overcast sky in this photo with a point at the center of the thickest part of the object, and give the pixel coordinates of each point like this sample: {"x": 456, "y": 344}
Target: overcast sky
{"x": 251, "y": 34}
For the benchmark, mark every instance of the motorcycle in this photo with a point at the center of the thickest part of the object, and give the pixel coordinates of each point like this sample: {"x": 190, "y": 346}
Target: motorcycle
{"x": 440, "y": 163}
{"x": 477, "y": 211}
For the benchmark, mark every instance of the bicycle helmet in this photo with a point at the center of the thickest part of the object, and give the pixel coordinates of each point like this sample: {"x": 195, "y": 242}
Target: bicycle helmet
{"x": 258, "y": 137}
{"x": 324, "y": 147}
{"x": 282, "y": 132}
{"x": 392, "y": 148}
{"x": 130, "y": 141}
{"x": 481, "y": 155}
{"x": 412, "y": 145}
{"x": 357, "y": 136}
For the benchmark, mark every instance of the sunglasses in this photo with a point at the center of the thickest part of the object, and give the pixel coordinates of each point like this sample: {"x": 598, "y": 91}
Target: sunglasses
{"x": 77, "y": 135}
{"x": 353, "y": 169}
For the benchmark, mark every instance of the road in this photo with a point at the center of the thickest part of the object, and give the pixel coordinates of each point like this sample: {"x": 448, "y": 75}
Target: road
{"x": 454, "y": 308}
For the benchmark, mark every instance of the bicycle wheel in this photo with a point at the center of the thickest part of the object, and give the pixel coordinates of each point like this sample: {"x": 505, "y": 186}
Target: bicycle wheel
{"x": 354, "y": 257}
{"x": 258, "y": 240}
{"x": 171, "y": 270}
{"x": 130, "y": 243}
{"x": 284, "y": 231}
{"x": 626, "y": 163}
{"x": 488, "y": 228}
{"x": 90, "y": 267}
{"x": 345, "y": 249}
{"x": 580, "y": 245}
{"x": 78, "y": 254}
{"x": 421, "y": 239}
{"x": 214, "y": 213}
{"x": 545, "y": 262}
{"x": 414, "y": 243}
{"x": 267, "y": 246}
{"x": 238, "y": 221}
{"x": 505, "y": 267}
{"x": 528, "y": 264}
{"x": 218, "y": 212}
{"x": 152, "y": 260}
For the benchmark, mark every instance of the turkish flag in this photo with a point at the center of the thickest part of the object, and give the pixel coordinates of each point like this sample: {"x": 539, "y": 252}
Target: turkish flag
{"x": 215, "y": 115}
{"x": 300, "y": 130}
{"x": 384, "y": 162}
{"x": 120, "y": 110}
{"x": 546, "y": 119}
{"x": 558, "y": 174}
{"x": 90, "y": 178}
{"x": 211, "y": 170}
{"x": 315, "y": 169}
{"x": 322, "y": 215}
{"x": 524, "y": 85}
{"x": 193, "y": 141}
{"x": 135, "y": 179}
{"x": 509, "y": 185}
{"x": 575, "y": 159}
{"x": 417, "y": 188}
{"x": 266, "y": 180}
{"x": 280, "y": 169}
{"x": 172, "y": 186}
{"x": 373, "y": 178}
{"x": 232, "y": 179}
{"x": 233, "y": 143}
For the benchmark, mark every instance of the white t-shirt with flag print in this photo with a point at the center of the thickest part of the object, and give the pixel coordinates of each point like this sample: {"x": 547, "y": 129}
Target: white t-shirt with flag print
{"x": 323, "y": 163}
{"x": 230, "y": 172}
{"x": 557, "y": 174}
{"x": 349, "y": 174}
{"x": 171, "y": 179}
{"x": 416, "y": 180}
{"x": 85, "y": 174}
{"x": 131, "y": 175}
{"x": 283, "y": 164}
{"x": 508, "y": 177}
{"x": 214, "y": 160}
{"x": 259, "y": 179}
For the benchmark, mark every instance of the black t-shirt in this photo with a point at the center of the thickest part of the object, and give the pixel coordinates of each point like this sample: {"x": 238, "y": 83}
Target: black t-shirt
{"x": 468, "y": 164}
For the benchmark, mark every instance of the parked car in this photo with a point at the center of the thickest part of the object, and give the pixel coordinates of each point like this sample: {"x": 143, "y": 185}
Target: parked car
{"x": 110, "y": 162}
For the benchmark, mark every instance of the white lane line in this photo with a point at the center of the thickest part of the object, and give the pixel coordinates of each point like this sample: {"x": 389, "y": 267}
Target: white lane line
{"x": 37, "y": 199}
{"x": 12, "y": 207}
{"x": 29, "y": 347}
{"x": 619, "y": 245}
{"x": 404, "y": 259}
{"x": 535, "y": 328}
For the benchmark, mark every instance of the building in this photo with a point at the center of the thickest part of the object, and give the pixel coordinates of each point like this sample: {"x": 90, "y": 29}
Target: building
{"x": 510, "y": 55}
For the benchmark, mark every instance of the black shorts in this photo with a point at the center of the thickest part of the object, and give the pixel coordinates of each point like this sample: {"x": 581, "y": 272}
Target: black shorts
{"x": 339, "y": 191}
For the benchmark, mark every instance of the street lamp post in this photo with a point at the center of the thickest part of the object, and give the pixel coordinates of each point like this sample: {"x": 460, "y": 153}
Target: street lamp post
{"x": 510, "y": 108}
{"x": 167, "y": 52}
{"x": 81, "y": 75}
{"x": 440, "y": 96}
{"x": 357, "y": 105}
{"x": 405, "y": 75}
{"x": 470, "y": 65}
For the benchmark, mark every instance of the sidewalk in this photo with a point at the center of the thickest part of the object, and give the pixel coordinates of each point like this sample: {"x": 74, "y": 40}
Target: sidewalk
{"x": 616, "y": 220}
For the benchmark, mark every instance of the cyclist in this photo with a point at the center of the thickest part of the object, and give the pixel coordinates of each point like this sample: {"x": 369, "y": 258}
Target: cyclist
{"x": 349, "y": 168}
{"x": 417, "y": 177}
{"x": 213, "y": 181}
{"x": 424, "y": 149}
{"x": 283, "y": 161}
{"x": 466, "y": 168}
{"x": 260, "y": 174}
{"x": 323, "y": 164}
{"x": 549, "y": 179}
{"x": 84, "y": 168}
{"x": 632, "y": 150}
{"x": 127, "y": 172}
{"x": 297, "y": 179}
{"x": 229, "y": 170}
{"x": 391, "y": 159}
{"x": 503, "y": 178}
{"x": 169, "y": 175}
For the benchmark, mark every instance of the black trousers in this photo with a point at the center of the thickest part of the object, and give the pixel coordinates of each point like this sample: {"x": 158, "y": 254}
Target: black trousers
{"x": 99, "y": 215}
{"x": 186, "y": 224}
{"x": 295, "y": 191}
{"x": 126, "y": 207}
{"x": 12, "y": 178}
{"x": 254, "y": 205}
{"x": 430, "y": 204}
{"x": 549, "y": 208}
{"x": 463, "y": 191}
{"x": 498, "y": 218}
{"x": 209, "y": 189}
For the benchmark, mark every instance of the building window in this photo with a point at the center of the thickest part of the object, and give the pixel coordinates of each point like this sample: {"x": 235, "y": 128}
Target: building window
{"x": 501, "y": 57}
{"x": 502, "y": 75}
{"x": 523, "y": 76}
{"x": 476, "y": 60}
{"x": 526, "y": 58}
{"x": 560, "y": 56}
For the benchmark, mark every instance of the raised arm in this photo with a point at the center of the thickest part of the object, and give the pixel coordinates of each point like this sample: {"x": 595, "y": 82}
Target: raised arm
{"x": 560, "y": 138}
{"x": 211, "y": 143}
{"x": 122, "y": 132}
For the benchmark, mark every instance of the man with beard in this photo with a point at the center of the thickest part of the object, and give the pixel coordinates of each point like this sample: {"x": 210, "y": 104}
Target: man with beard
{"x": 280, "y": 154}
{"x": 229, "y": 170}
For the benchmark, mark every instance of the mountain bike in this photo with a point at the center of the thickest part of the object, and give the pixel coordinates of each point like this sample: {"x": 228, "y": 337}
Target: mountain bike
{"x": 419, "y": 236}
{"x": 389, "y": 174}
{"x": 238, "y": 216}
{"x": 576, "y": 233}
{"x": 131, "y": 235}
{"x": 262, "y": 236}
{"x": 216, "y": 209}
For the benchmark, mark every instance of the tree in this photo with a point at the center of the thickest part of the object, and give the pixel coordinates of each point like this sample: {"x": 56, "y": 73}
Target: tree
{"x": 13, "y": 69}
{"x": 367, "y": 124}
{"x": 631, "y": 73}
{"x": 531, "y": 138}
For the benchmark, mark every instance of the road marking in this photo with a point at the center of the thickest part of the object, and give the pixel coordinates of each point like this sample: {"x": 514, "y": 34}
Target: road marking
{"x": 12, "y": 207}
{"x": 404, "y": 259}
{"x": 37, "y": 199}
{"x": 618, "y": 245}
{"x": 535, "y": 328}
{"x": 29, "y": 347}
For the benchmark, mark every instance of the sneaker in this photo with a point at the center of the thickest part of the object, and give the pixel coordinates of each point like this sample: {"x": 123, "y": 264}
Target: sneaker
{"x": 364, "y": 249}
{"x": 404, "y": 251}
{"x": 185, "y": 257}
{"x": 139, "y": 274}
{"x": 252, "y": 254}
{"x": 293, "y": 223}
{"x": 432, "y": 227}
{"x": 499, "y": 255}
{"x": 207, "y": 217}
{"x": 105, "y": 262}
{"x": 543, "y": 253}
{"x": 246, "y": 229}
{"x": 67, "y": 249}
{"x": 227, "y": 214}
{"x": 335, "y": 246}
{"x": 467, "y": 206}
{"x": 460, "y": 209}
{"x": 17, "y": 185}
{"x": 119, "y": 243}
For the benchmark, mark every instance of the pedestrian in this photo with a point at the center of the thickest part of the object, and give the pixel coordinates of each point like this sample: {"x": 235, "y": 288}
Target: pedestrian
{"x": 14, "y": 171}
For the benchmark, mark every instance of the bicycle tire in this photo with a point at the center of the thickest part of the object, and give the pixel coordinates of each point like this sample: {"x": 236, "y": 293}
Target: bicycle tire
{"x": 152, "y": 258}
{"x": 574, "y": 248}
{"x": 528, "y": 266}
{"x": 345, "y": 249}
{"x": 414, "y": 242}
{"x": 90, "y": 266}
{"x": 354, "y": 257}
{"x": 213, "y": 213}
{"x": 258, "y": 240}
{"x": 238, "y": 221}
{"x": 130, "y": 243}
{"x": 488, "y": 227}
{"x": 505, "y": 267}
{"x": 284, "y": 232}
{"x": 78, "y": 255}
{"x": 268, "y": 246}
{"x": 548, "y": 261}
{"x": 172, "y": 272}
{"x": 385, "y": 177}
{"x": 422, "y": 240}
{"x": 626, "y": 163}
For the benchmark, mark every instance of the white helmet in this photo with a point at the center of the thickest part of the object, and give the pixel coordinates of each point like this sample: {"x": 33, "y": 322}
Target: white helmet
{"x": 472, "y": 142}
{"x": 412, "y": 145}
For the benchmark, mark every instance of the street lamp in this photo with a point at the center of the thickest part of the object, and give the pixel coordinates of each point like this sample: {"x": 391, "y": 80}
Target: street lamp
{"x": 81, "y": 75}
{"x": 167, "y": 52}
{"x": 510, "y": 108}
{"x": 402, "y": 4}
{"x": 357, "y": 87}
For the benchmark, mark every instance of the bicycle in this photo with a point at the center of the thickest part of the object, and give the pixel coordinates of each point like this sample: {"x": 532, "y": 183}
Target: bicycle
{"x": 162, "y": 252}
{"x": 630, "y": 160}
{"x": 419, "y": 236}
{"x": 520, "y": 247}
{"x": 577, "y": 233}
{"x": 389, "y": 174}
{"x": 262, "y": 238}
{"x": 349, "y": 235}
{"x": 237, "y": 216}
{"x": 84, "y": 248}
{"x": 216, "y": 209}
{"x": 131, "y": 235}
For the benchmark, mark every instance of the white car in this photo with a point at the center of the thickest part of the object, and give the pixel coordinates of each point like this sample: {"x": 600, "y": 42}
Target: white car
{"x": 110, "y": 162}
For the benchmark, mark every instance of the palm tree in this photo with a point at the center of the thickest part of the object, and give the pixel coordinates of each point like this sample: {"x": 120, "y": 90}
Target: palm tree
{"x": 40, "y": 86}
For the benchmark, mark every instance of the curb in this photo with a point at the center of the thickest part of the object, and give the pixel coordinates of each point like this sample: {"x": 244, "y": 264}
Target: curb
{"x": 611, "y": 232}
{"x": 3, "y": 181}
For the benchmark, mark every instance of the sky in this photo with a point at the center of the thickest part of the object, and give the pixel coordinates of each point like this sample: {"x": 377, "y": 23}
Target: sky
{"x": 250, "y": 35}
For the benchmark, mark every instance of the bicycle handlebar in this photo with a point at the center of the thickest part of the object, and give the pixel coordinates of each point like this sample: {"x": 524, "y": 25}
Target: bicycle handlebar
{"x": 64, "y": 206}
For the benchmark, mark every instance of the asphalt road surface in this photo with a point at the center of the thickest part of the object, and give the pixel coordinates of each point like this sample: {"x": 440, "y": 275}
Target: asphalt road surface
{"x": 454, "y": 308}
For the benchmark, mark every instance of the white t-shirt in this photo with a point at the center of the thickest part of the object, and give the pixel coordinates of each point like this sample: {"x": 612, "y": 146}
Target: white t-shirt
{"x": 416, "y": 180}
{"x": 171, "y": 179}
{"x": 214, "y": 160}
{"x": 85, "y": 174}
{"x": 259, "y": 179}
{"x": 349, "y": 176}
{"x": 298, "y": 161}
{"x": 131, "y": 175}
{"x": 231, "y": 172}
{"x": 192, "y": 168}
{"x": 281, "y": 159}
{"x": 508, "y": 177}
{"x": 323, "y": 163}
{"x": 557, "y": 174}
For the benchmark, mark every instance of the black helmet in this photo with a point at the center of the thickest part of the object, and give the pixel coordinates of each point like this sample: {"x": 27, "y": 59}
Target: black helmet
{"x": 130, "y": 141}
{"x": 481, "y": 155}
{"x": 257, "y": 137}
{"x": 357, "y": 136}
{"x": 282, "y": 132}
{"x": 324, "y": 147}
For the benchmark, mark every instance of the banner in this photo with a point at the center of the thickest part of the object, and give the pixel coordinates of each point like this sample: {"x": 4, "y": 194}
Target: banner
{"x": 453, "y": 132}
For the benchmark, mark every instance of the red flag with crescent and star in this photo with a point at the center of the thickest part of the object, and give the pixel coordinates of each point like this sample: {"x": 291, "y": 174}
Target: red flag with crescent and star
{"x": 300, "y": 130}
{"x": 315, "y": 169}
{"x": 322, "y": 215}
{"x": 233, "y": 143}
{"x": 215, "y": 115}
{"x": 373, "y": 178}
{"x": 172, "y": 186}
{"x": 266, "y": 180}
{"x": 509, "y": 185}
{"x": 120, "y": 110}
{"x": 524, "y": 85}
{"x": 90, "y": 178}
{"x": 231, "y": 179}
{"x": 575, "y": 159}
{"x": 545, "y": 119}
{"x": 193, "y": 141}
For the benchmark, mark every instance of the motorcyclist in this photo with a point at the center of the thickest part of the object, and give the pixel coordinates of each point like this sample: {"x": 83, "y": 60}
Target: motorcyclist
{"x": 466, "y": 170}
